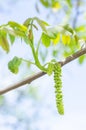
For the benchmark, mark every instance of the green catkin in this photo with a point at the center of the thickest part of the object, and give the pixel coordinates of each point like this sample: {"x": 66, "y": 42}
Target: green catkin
{"x": 58, "y": 87}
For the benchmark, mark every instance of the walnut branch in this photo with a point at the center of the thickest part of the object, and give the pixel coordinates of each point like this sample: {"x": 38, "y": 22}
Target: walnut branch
{"x": 38, "y": 75}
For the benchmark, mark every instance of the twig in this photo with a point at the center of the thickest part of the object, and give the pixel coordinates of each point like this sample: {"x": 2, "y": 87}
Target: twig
{"x": 74, "y": 56}
{"x": 38, "y": 75}
{"x": 21, "y": 83}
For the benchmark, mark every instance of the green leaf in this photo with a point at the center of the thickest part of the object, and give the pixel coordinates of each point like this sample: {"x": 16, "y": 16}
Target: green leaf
{"x": 18, "y": 26}
{"x": 12, "y": 38}
{"x": 14, "y": 64}
{"x": 27, "y": 22}
{"x": 10, "y": 31}
{"x": 17, "y": 29}
{"x": 3, "y": 41}
{"x": 19, "y": 33}
{"x": 57, "y": 39}
{"x": 76, "y": 38}
{"x": 66, "y": 54}
{"x": 56, "y": 5}
{"x": 81, "y": 59}
{"x": 45, "y": 23}
{"x": 80, "y": 28}
{"x": 52, "y": 32}
{"x": 55, "y": 52}
{"x": 41, "y": 23}
{"x": 1, "y": 100}
{"x": 26, "y": 40}
{"x": 15, "y": 32}
{"x": 68, "y": 28}
{"x": 69, "y": 2}
{"x": 30, "y": 35}
{"x": 4, "y": 44}
{"x": 45, "y": 40}
{"x": 66, "y": 39}
{"x": 45, "y": 3}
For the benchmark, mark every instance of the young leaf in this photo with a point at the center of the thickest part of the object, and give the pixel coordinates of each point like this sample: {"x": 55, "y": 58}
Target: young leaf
{"x": 55, "y": 52}
{"x": 76, "y": 38}
{"x": 45, "y": 3}
{"x": 42, "y": 24}
{"x": 45, "y": 23}
{"x": 30, "y": 35}
{"x": 14, "y": 64}
{"x": 10, "y": 31}
{"x": 66, "y": 39}
{"x": 69, "y": 2}
{"x": 57, "y": 39}
{"x": 17, "y": 26}
{"x": 3, "y": 41}
{"x": 68, "y": 28}
{"x": 45, "y": 40}
{"x": 52, "y": 32}
{"x": 56, "y": 6}
{"x": 80, "y": 28}
{"x": 15, "y": 32}
{"x": 12, "y": 38}
{"x": 81, "y": 59}
{"x": 26, "y": 40}
{"x": 27, "y": 22}
{"x": 1, "y": 100}
{"x": 19, "y": 33}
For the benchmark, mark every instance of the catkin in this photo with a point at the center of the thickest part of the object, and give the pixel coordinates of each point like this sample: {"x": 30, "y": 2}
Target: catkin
{"x": 58, "y": 87}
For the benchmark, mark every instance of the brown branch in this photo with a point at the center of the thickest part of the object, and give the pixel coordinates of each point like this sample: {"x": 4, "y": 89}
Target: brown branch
{"x": 21, "y": 83}
{"x": 74, "y": 56}
{"x": 38, "y": 75}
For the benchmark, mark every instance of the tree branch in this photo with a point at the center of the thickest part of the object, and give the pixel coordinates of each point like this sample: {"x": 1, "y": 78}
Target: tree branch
{"x": 38, "y": 75}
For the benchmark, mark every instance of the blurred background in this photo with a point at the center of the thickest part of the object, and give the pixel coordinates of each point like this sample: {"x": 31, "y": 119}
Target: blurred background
{"x": 33, "y": 107}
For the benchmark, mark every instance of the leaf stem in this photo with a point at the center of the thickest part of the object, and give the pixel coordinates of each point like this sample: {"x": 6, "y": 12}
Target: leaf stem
{"x": 38, "y": 46}
{"x": 37, "y": 62}
{"x": 28, "y": 61}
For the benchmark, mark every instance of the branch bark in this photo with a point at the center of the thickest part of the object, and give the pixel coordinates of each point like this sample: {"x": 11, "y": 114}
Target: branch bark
{"x": 38, "y": 75}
